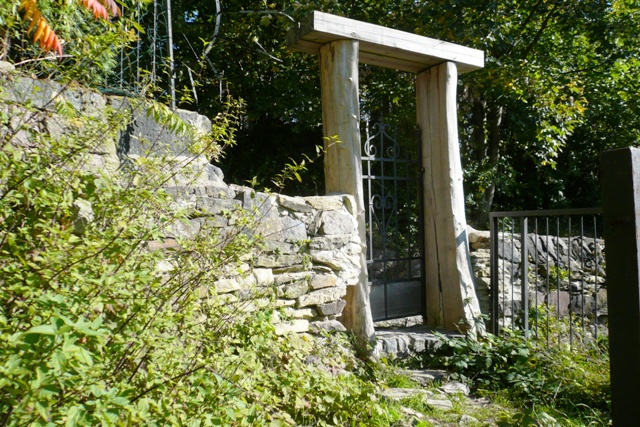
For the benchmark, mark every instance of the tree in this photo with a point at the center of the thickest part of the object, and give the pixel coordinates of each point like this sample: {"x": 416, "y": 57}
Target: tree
{"x": 86, "y": 47}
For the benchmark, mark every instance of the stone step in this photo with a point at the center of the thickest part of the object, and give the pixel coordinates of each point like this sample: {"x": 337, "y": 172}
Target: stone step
{"x": 404, "y": 342}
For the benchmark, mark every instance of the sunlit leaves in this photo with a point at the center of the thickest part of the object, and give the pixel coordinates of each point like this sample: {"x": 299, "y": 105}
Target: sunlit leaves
{"x": 43, "y": 33}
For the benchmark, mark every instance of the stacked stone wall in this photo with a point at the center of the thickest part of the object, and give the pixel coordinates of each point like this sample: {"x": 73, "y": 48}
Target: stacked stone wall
{"x": 309, "y": 250}
{"x": 565, "y": 274}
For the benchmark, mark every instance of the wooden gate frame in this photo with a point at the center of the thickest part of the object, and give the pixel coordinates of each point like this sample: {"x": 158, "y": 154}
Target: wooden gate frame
{"x": 341, "y": 44}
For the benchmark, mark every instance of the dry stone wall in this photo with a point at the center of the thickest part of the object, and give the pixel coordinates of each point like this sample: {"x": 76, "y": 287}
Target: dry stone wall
{"x": 310, "y": 250}
{"x": 567, "y": 275}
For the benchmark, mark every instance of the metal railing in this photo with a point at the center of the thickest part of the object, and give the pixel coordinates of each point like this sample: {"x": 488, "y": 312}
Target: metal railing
{"x": 547, "y": 274}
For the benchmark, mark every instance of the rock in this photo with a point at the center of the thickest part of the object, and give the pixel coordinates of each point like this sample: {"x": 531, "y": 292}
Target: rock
{"x": 455, "y": 388}
{"x": 403, "y": 393}
{"x": 220, "y": 192}
{"x": 279, "y": 279}
{"x": 293, "y": 230}
{"x": 297, "y": 204}
{"x": 332, "y": 308}
{"x": 337, "y": 223}
{"x": 321, "y": 281}
{"x": 559, "y": 302}
{"x": 440, "y": 403}
{"x": 425, "y": 377}
{"x": 6, "y": 67}
{"x": 328, "y": 325}
{"x": 302, "y": 313}
{"x": 295, "y": 289}
{"x": 325, "y": 203}
{"x": 467, "y": 420}
{"x": 320, "y": 297}
{"x": 264, "y": 276}
{"x": 297, "y": 326}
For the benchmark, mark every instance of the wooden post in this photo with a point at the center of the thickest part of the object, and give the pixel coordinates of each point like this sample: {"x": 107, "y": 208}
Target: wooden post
{"x": 451, "y": 296}
{"x": 620, "y": 182}
{"x": 343, "y": 165}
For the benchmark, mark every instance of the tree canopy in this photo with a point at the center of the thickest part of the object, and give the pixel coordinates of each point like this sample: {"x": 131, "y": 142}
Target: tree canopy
{"x": 559, "y": 84}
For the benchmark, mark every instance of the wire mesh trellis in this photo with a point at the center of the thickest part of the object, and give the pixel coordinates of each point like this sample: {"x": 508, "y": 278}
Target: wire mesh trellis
{"x": 149, "y": 60}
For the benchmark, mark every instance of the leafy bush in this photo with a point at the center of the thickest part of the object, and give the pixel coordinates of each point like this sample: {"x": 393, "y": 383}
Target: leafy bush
{"x": 572, "y": 379}
{"x": 90, "y": 45}
{"x": 98, "y": 328}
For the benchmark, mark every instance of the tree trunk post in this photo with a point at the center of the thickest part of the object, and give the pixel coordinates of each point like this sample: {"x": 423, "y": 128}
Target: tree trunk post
{"x": 620, "y": 181}
{"x": 450, "y": 293}
{"x": 343, "y": 166}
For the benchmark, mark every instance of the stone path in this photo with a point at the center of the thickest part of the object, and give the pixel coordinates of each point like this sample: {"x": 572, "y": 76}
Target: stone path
{"x": 441, "y": 398}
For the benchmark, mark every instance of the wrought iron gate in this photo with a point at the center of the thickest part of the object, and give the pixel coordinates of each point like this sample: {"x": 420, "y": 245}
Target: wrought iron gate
{"x": 393, "y": 195}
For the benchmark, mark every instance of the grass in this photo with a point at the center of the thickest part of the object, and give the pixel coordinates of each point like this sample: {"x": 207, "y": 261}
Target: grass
{"x": 514, "y": 382}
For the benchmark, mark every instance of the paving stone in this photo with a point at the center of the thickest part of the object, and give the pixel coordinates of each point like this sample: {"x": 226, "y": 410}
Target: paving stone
{"x": 455, "y": 387}
{"x": 425, "y": 377}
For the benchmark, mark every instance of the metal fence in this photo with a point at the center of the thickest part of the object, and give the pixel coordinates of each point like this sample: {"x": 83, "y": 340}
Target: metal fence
{"x": 547, "y": 274}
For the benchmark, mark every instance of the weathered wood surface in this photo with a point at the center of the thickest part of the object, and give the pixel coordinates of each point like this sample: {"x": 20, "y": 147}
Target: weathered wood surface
{"x": 451, "y": 297}
{"x": 381, "y": 46}
{"x": 620, "y": 177}
{"x": 343, "y": 164}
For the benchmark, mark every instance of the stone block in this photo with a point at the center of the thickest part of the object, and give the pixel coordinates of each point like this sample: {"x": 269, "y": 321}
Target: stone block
{"x": 302, "y": 313}
{"x": 559, "y": 303}
{"x": 328, "y": 258}
{"x": 295, "y": 289}
{"x": 333, "y": 308}
{"x": 224, "y": 286}
{"x": 337, "y": 222}
{"x": 295, "y": 326}
{"x": 328, "y": 325}
{"x": 325, "y": 203}
{"x": 297, "y": 204}
{"x": 321, "y": 297}
{"x": 278, "y": 261}
{"x": 321, "y": 281}
{"x": 324, "y": 243}
{"x": 216, "y": 206}
{"x": 279, "y": 303}
{"x": 264, "y": 276}
{"x": 279, "y": 279}
{"x": 293, "y": 230}
{"x": 220, "y": 191}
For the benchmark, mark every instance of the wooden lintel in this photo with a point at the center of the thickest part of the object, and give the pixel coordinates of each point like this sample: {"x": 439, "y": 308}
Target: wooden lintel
{"x": 381, "y": 46}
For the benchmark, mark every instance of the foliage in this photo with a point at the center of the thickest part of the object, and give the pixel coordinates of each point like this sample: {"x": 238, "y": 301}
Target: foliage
{"x": 565, "y": 380}
{"x": 99, "y": 328}
{"x": 90, "y": 45}
{"x": 559, "y": 86}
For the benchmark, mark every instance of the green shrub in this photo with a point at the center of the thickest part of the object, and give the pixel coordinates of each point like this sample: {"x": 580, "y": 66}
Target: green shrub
{"x": 568, "y": 379}
{"x": 98, "y": 329}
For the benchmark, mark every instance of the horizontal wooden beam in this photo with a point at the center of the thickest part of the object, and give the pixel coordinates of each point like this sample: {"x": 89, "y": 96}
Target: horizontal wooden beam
{"x": 381, "y": 46}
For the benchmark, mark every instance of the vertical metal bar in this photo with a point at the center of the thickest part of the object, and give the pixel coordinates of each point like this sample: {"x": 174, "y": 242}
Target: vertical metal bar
{"x": 383, "y": 231}
{"x": 512, "y": 281}
{"x": 596, "y": 266}
{"x": 172, "y": 71}
{"x": 582, "y": 274}
{"x": 504, "y": 280}
{"x": 494, "y": 278}
{"x": 421, "y": 219}
{"x": 537, "y": 259}
{"x": 524, "y": 272}
{"x": 569, "y": 268}
{"x": 548, "y": 311}
{"x": 558, "y": 267}
{"x": 154, "y": 42}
